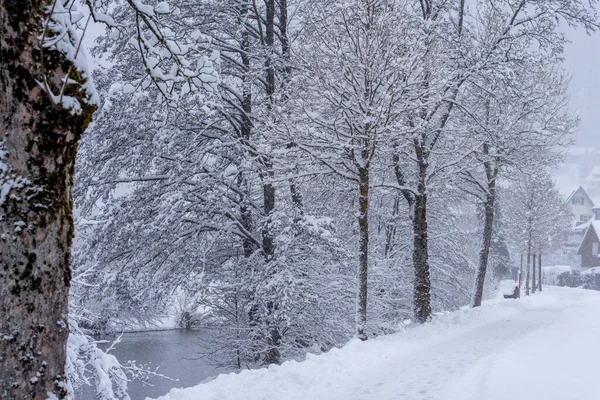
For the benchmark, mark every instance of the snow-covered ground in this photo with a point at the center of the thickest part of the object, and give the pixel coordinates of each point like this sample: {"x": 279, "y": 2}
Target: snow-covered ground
{"x": 545, "y": 347}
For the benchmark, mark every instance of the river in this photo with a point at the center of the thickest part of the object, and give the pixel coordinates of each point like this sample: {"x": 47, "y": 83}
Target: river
{"x": 175, "y": 352}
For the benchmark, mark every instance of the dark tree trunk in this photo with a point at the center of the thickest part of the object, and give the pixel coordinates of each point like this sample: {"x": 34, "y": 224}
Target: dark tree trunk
{"x": 528, "y": 267}
{"x": 285, "y": 41}
{"x": 268, "y": 238}
{"x": 407, "y": 194}
{"x": 540, "y": 271}
{"x": 268, "y": 188}
{"x": 295, "y": 192}
{"x": 422, "y": 284}
{"x": 273, "y": 355}
{"x": 296, "y": 198}
{"x": 488, "y": 226}
{"x": 533, "y": 286}
{"x": 249, "y": 245}
{"x": 363, "y": 249}
{"x": 38, "y": 144}
{"x": 269, "y": 42}
{"x": 390, "y": 229}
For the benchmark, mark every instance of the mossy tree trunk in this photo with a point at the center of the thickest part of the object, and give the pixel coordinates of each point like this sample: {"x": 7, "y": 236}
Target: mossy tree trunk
{"x": 38, "y": 143}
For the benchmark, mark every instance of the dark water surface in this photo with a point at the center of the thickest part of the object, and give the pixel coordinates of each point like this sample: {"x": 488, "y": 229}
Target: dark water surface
{"x": 175, "y": 352}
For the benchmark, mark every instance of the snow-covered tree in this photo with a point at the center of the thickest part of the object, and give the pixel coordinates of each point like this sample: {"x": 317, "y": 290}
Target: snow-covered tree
{"x": 47, "y": 102}
{"x": 538, "y": 215}
{"x": 355, "y": 74}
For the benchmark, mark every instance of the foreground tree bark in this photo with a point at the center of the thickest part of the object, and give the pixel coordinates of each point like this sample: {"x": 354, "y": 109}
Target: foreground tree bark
{"x": 38, "y": 143}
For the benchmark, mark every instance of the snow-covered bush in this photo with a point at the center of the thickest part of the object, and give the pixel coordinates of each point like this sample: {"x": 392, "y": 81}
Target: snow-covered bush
{"x": 88, "y": 365}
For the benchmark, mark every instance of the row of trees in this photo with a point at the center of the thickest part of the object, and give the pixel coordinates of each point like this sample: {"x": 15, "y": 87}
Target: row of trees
{"x": 360, "y": 134}
{"x": 292, "y": 166}
{"x": 545, "y": 222}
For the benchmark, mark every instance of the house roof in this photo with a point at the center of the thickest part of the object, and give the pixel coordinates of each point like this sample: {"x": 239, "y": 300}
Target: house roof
{"x": 581, "y": 188}
{"x": 593, "y": 227}
{"x": 594, "y": 175}
{"x": 581, "y": 226}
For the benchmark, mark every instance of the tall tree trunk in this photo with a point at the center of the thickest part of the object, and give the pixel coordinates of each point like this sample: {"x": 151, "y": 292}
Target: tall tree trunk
{"x": 363, "y": 252}
{"x": 295, "y": 192}
{"x": 268, "y": 188}
{"x": 273, "y": 355}
{"x": 540, "y": 271}
{"x": 488, "y": 225}
{"x": 38, "y": 144}
{"x": 246, "y": 129}
{"x": 528, "y": 267}
{"x": 520, "y": 275}
{"x": 422, "y": 283}
{"x": 485, "y": 251}
{"x": 533, "y": 286}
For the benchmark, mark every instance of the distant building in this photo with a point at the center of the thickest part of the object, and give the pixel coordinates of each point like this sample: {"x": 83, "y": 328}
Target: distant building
{"x": 592, "y": 183}
{"x": 596, "y": 210}
{"x": 585, "y": 210}
{"x": 589, "y": 249}
{"x": 581, "y": 167}
{"x": 582, "y": 205}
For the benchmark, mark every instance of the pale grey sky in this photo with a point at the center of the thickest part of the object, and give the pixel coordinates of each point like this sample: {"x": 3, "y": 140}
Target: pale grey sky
{"x": 582, "y": 59}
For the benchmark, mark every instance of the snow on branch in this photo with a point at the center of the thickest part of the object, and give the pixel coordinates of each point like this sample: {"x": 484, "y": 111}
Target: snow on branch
{"x": 178, "y": 65}
{"x": 61, "y": 33}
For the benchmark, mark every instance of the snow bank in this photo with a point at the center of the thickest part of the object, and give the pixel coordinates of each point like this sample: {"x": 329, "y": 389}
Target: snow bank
{"x": 550, "y": 273}
{"x": 507, "y": 349}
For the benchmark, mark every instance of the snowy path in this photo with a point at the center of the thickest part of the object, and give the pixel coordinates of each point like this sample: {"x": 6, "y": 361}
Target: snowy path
{"x": 544, "y": 347}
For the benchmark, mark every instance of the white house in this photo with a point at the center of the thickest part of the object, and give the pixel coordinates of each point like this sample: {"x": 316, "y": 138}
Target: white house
{"x": 584, "y": 211}
{"x": 582, "y": 205}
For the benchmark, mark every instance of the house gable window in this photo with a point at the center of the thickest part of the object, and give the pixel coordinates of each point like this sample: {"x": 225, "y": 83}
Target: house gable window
{"x": 577, "y": 200}
{"x": 595, "y": 249}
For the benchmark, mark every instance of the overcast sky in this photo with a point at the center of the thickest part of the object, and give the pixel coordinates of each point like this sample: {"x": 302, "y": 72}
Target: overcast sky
{"x": 582, "y": 59}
